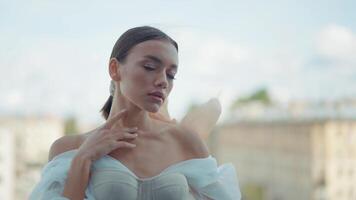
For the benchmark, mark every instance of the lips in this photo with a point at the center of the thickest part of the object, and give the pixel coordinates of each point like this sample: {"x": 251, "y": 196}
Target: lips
{"x": 157, "y": 94}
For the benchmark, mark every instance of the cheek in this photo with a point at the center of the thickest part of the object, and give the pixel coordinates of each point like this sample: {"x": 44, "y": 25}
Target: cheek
{"x": 136, "y": 84}
{"x": 170, "y": 87}
{"x": 136, "y": 77}
{"x": 130, "y": 82}
{"x": 140, "y": 79}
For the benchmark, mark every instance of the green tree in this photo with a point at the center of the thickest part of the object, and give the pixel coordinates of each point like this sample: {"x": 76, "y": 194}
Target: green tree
{"x": 70, "y": 126}
{"x": 260, "y": 95}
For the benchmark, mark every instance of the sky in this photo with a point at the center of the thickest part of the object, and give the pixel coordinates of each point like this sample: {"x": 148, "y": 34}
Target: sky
{"x": 54, "y": 54}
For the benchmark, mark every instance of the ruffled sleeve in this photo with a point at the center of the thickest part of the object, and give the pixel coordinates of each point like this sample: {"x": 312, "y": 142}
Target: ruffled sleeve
{"x": 210, "y": 181}
{"x": 53, "y": 176}
{"x": 224, "y": 187}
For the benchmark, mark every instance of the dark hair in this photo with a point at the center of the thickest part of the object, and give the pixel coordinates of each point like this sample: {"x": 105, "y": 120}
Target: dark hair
{"x": 126, "y": 42}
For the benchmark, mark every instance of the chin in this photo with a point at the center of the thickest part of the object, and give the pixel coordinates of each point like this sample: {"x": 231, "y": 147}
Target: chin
{"x": 152, "y": 108}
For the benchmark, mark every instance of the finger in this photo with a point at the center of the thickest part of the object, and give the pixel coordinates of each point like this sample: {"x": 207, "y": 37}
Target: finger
{"x": 124, "y": 135}
{"x": 121, "y": 131}
{"x": 130, "y": 136}
{"x": 109, "y": 123}
{"x": 130, "y": 130}
{"x": 123, "y": 144}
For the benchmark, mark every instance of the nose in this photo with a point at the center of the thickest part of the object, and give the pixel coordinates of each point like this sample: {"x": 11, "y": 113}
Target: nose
{"x": 161, "y": 80}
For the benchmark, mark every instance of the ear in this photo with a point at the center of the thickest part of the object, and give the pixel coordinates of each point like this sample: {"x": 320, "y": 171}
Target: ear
{"x": 114, "y": 69}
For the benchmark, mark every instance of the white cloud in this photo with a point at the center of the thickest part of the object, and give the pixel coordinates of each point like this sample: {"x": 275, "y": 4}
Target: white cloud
{"x": 337, "y": 43}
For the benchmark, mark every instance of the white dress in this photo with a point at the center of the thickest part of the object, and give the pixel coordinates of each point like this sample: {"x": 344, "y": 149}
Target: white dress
{"x": 199, "y": 178}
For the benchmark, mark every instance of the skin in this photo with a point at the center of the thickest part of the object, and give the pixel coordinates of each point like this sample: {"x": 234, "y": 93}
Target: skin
{"x": 145, "y": 145}
{"x": 150, "y": 66}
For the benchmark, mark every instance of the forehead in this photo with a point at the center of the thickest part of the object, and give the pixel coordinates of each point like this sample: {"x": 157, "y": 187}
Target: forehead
{"x": 161, "y": 49}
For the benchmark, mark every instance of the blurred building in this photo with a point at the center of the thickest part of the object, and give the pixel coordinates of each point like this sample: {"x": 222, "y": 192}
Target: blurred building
{"x": 7, "y": 157}
{"x": 24, "y": 145}
{"x": 286, "y": 159}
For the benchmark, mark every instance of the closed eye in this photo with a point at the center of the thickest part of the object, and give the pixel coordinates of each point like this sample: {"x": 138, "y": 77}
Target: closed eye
{"x": 151, "y": 67}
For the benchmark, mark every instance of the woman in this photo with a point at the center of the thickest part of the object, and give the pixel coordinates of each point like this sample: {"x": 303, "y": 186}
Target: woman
{"x": 140, "y": 152}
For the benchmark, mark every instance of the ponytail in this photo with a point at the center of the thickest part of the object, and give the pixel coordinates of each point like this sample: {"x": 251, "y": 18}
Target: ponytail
{"x": 105, "y": 110}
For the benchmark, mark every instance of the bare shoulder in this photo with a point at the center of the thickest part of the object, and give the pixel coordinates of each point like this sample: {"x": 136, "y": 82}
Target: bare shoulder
{"x": 63, "y": 144}
{"x": 194, "y": 146}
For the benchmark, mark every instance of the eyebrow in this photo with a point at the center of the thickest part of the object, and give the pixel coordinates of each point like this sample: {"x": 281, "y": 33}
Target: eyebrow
{"x": 159, "y": 61}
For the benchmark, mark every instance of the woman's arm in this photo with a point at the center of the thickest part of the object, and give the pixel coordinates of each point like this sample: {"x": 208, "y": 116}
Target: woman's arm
{"x": 79, "y": 171}
{"x": 96, "y": 144}
{"x": 78, "y": 178}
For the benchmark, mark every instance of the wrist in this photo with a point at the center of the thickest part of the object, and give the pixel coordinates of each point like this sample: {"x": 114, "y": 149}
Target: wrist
{"x": 83, "y": 158}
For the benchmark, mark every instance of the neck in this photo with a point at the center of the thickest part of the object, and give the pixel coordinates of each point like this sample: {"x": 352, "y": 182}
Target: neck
{"x": 135, "y": 116}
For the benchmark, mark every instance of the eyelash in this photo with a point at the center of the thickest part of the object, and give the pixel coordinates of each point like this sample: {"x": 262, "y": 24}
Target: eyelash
{"x": 151, "y": 69}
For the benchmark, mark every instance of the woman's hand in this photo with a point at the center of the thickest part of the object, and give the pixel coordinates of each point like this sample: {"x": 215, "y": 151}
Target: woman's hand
{"x": 106, "y": 138}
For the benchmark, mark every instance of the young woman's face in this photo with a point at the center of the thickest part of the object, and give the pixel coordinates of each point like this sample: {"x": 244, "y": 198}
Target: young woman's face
{"x": 148, "y": 72}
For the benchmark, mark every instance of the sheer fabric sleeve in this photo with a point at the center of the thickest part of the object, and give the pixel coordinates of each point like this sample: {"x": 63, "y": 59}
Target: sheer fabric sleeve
{"x": 53, "y": 176}
{"x": 203, "y": 118}
{"x": 224, "y": 187}
{"x": 208, "y": 181}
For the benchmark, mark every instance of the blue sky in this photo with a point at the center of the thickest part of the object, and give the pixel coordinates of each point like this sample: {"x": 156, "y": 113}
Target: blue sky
{"x": 53, "y": 55}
